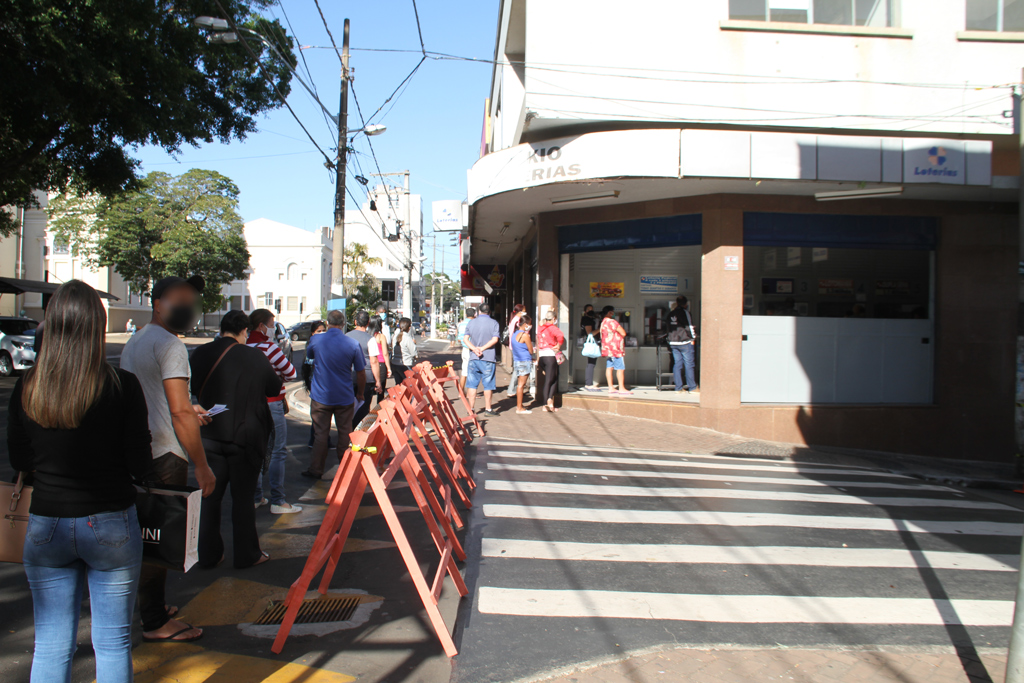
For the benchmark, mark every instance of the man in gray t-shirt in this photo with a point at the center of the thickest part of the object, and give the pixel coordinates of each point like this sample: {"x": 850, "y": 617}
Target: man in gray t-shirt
{"x": 154, "y": 355}
{"x": 160, "y": 361}
{"x": 372, "y": 367}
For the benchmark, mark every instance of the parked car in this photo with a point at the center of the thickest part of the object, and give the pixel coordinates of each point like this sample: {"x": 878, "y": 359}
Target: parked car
{"x": 301, "y": 331}
{"x": 283, "y": 339}
{"x": 17, "y": 344}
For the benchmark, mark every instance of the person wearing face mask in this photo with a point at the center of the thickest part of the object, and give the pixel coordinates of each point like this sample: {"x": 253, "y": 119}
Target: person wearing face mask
{"x": 160, "y": 361}
{"x": 681, "y": 339}
{"x": 261, "y": 324}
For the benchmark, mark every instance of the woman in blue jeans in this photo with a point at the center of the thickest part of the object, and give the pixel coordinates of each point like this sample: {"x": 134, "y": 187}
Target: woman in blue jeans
{"x": 80, "y": 428}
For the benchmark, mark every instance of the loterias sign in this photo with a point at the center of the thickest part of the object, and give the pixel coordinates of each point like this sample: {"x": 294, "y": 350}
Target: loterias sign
{"x": 934, "y": 161}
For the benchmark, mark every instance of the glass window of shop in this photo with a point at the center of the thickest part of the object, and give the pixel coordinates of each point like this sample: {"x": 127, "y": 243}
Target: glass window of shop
{"x": 826, "y": 282}
{"x": 838, "y": 309}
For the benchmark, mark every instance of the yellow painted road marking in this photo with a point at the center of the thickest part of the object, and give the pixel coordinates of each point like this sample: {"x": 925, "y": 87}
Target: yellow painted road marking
{"x": 184, "y": 663}
{"x": 228, "y": 601}
{"x": 282, "y": 546}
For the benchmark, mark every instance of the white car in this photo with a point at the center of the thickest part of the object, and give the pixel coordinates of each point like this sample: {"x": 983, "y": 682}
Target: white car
{"x": 17, "y": 344}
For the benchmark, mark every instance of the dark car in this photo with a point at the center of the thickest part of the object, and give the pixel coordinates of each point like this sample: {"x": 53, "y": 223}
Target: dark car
{"x": 301, "y": 331}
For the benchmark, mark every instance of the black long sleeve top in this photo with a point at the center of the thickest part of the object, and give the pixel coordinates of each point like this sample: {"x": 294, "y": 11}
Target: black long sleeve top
{"x": 89, "y": 469}
{"x": 243, "y": 381}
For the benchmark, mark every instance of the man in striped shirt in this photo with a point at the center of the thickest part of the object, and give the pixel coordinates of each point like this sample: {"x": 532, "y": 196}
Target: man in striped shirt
{"x": 261, "y": 329}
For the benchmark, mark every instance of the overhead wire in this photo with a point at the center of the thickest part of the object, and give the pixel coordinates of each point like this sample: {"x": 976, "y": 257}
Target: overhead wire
{"x": 309, "y": 74}
{"x": 241, "y": 37}
{"x": 419, "y": 29}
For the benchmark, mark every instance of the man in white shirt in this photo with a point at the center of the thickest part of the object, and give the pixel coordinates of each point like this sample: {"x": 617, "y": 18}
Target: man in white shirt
{"x": 160, "y": 361}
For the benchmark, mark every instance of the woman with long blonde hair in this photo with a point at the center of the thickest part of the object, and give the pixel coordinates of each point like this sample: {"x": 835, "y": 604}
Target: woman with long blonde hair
{"x": 81, "y": 428}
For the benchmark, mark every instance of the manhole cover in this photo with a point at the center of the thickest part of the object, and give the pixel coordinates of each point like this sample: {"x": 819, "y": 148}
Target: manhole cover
{"x": 312, "y": 611}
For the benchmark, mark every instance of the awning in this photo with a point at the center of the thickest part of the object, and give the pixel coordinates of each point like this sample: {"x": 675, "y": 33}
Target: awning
{"x": 11, "y": 285}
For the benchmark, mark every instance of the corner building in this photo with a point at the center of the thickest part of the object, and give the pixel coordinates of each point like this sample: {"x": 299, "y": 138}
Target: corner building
{"x": 832, "y": 183}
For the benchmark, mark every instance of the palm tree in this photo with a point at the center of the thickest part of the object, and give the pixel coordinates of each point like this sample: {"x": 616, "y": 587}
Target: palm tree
{"x": 356, "y": 268}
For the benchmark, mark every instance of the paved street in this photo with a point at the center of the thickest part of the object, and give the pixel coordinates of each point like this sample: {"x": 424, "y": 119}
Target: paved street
{"x": 586, "y": 553}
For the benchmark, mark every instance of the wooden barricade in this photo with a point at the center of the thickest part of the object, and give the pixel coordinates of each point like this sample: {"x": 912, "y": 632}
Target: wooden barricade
{"x": 374, "y": 459}
{"x": 446, "y": 373}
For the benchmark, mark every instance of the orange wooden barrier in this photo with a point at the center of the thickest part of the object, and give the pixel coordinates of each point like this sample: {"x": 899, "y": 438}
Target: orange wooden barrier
{"x": 374, "y": 459}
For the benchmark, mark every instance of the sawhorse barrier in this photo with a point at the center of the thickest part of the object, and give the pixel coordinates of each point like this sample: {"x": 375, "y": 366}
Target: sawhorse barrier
{"x": 398, "y": 442}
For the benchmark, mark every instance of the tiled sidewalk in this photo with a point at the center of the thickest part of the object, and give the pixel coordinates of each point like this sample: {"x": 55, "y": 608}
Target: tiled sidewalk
{"x": 826, "y": 666}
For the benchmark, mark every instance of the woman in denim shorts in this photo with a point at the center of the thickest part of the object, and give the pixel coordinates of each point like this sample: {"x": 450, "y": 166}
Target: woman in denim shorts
{"x": 522, "y": 359}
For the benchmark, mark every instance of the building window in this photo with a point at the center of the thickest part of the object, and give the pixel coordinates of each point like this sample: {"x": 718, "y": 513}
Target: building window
{"x": 61, "y": 248}
{"x": 874, "y": 13}
{"x": 248, "y": 303}
{"x": 995, "y": 15}
{"x": 303, "y": 276}
{"x": 280, "y": 276}
{"x": 293, "y": 303}
{"x": 836, "y": 283}
{"x": 235, "y": 302}
{"x": 291, "y": 271}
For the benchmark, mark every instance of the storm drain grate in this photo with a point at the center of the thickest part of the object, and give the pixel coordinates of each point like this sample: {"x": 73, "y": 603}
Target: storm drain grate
{"x": 312, "y": 611}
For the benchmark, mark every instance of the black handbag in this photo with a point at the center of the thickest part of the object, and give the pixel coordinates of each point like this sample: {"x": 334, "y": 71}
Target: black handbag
{"x": 169, "y": 517}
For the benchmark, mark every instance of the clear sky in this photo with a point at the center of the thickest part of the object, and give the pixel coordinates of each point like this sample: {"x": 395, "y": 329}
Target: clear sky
{"x": 433, "y": 124}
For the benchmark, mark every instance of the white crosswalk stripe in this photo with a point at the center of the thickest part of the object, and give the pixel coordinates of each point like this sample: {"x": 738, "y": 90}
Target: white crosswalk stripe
{"x": 764, "y": 555}
{"x": 568, "y": 531}
{"x": 704, "y": 476}
{"x": 746, "y": 494}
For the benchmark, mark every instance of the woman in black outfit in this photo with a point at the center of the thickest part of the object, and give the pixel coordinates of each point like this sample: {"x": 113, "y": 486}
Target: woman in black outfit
{"x": 228, "y": 372}
{"x": 81, "y": 428}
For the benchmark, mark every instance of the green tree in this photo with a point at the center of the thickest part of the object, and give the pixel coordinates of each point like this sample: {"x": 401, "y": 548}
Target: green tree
{"x": 182, "y": 225}
{"x": 447, "y": 290}
{"x": 87, "y": 81}
{"x": 357, "y": 267}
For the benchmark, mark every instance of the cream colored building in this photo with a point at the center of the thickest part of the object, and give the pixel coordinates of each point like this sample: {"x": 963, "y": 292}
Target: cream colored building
{"x": 289, "y": 272}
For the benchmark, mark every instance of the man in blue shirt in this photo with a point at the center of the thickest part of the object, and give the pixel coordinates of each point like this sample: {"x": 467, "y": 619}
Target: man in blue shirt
{"x": 338, "y": 365}
{"x": 481, "y": 338}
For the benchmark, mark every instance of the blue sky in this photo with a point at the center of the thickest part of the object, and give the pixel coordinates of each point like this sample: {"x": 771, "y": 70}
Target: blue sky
{"x": 434, "y": 125}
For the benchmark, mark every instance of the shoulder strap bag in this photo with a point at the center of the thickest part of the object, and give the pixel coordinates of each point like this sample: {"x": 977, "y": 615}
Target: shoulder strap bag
{"x": 14, "y": 501}
{"x": 210, "y": 373}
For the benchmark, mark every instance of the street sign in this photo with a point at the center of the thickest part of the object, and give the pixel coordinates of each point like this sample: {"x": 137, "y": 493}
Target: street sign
{"x": 447, "y": 215}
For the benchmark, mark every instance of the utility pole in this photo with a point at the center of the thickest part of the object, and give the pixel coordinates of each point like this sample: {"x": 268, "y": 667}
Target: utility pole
{"x": 433, "y": 284}
{"x": 407, "y": 293}
{"x": 1015, "y": 656}
{"x": 338, "y": 255}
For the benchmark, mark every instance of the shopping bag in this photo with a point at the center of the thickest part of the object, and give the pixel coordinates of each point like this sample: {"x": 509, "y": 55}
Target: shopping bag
{"x": 591, "y": 349}
{"x": 14, "y": 501}
{"x": 169, "y": 517}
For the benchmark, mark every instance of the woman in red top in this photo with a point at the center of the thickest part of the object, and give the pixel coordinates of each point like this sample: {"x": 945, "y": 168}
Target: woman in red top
{"x": 549, "y": 347}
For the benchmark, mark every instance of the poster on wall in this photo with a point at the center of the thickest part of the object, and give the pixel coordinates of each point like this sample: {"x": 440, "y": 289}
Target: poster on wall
{"x": 484, "y": 278}
{"x": 659, "y": 284}
{"x": 777, "y": 285}
{"x": 836, "y": 287}
{"x": 607, "y": 290}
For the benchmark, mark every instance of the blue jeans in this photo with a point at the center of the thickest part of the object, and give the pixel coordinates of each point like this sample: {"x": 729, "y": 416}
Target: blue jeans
{"x": 61, "y": 554}
{"x": 682, "y": 357}
{"x": 278, "y": 454}
{"x": 480, "y": 372}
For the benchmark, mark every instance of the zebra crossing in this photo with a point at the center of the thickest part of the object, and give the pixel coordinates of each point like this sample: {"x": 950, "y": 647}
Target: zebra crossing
{"x": 578, "y": 553}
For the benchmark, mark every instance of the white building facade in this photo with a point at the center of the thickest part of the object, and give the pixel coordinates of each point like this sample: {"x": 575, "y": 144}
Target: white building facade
{"x": 832, "y": 183}
{"x": 289, "y": 272}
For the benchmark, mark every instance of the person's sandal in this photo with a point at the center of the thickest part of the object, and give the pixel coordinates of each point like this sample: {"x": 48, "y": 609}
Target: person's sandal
{"x": 173, "y": 638}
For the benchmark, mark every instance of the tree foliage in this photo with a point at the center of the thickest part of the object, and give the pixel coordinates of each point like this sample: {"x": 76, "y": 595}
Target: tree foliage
{"x": 86, "y": 81}
{"x": 182, "y": 225}
{"x": 357, "y": 267}
{"x": 447, "y": 289}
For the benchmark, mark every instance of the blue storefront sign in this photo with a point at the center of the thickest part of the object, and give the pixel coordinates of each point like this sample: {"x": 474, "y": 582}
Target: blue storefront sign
{"x": 659, "y": 284}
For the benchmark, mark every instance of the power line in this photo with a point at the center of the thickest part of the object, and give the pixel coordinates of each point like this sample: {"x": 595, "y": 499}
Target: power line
{"x": 204, "y": 161}
{"x": 309, "y": 74}
{"x": 373, "y": 154}
{"x": 329, "y": 34}
{"x": 419, "y": 29}
{"x": 404, "y": 81}
{"x": 765, "y": 79}
{"x": 241, "y": 36}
